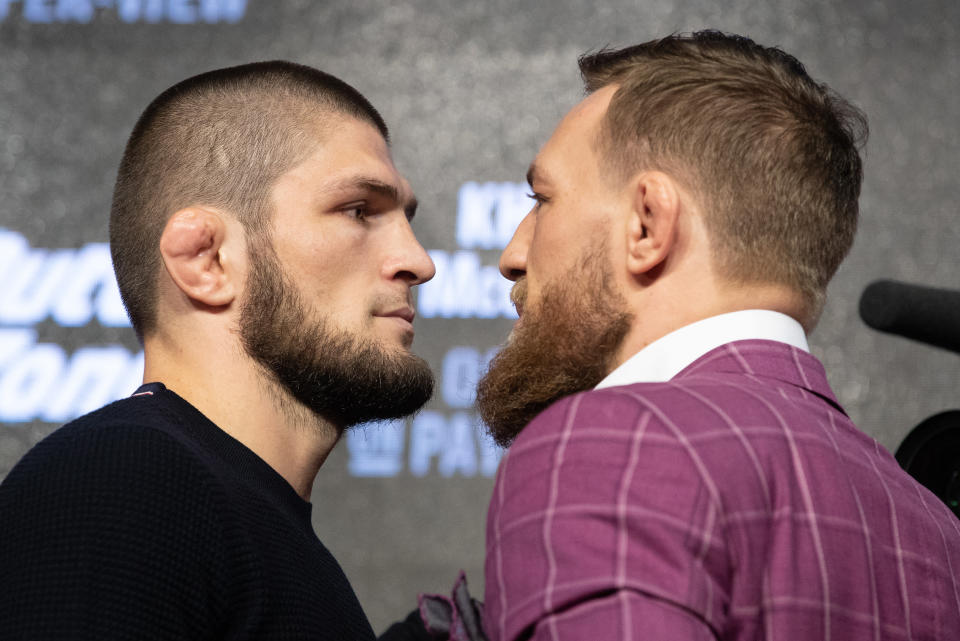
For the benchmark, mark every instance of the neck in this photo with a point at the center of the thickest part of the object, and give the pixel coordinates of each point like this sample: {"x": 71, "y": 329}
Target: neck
{"x": 659, "y": 311}
{"x": 233, "y": 391}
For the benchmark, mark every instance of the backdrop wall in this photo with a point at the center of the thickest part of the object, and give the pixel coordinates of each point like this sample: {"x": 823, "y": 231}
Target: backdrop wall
{"x": 470, "y": 91}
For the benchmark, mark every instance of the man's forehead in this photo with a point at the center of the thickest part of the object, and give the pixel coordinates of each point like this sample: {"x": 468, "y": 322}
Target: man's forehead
{"x": 595, "y": 105}
{"x": 587, "y": 114}
{"x": 332, "y": 179}
{"x": 584, "y": 119}
{"x": 360, "y": 175}
{"x": 573, "y": 136}
{"x": 342, "y": 138}
{"x": 349, "y": 158}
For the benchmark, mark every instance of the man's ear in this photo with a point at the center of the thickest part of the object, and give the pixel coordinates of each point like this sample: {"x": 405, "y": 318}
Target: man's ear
{"x": 192, "y": 248}
{"x": 652, "y": 228}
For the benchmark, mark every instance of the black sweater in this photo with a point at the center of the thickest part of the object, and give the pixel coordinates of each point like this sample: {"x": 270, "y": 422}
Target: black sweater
{"x": 144, "y": 520}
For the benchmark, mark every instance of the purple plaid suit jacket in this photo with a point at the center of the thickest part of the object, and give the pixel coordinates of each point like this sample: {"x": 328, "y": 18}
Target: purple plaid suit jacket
{"x": 736, "y": 501}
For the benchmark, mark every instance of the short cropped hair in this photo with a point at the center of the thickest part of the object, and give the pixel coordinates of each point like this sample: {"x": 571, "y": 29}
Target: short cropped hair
{"x": 219, "y": 139}
{"x": 772, "y": 156}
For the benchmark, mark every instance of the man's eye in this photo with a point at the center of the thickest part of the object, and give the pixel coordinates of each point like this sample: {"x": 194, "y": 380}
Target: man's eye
{"x": 539, "y": 199}
{"x": 360, "y": 212}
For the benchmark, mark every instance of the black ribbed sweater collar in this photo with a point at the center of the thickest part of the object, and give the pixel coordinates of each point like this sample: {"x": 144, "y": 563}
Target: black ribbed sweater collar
{"x": 252, "y": 469}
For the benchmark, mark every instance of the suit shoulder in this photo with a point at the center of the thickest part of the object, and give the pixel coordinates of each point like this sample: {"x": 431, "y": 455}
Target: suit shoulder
{"x": 597, "y": 429}
{"x": 607, "y": 408}
{"x": 661, "y": 407}
{"x": 653, "y": 429}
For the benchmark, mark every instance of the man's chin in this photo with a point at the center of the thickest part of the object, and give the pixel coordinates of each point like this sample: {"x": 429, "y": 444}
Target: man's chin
{"x": 395, "y": 348}
{"x": 342, "y": 378}
{"x": 396, "y": 384}
{"x": 562, "y": 347}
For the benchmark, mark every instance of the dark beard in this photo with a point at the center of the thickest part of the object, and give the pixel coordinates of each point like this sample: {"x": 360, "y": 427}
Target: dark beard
{"x": 335, "y": 375}
{"x": 565, "y": 346}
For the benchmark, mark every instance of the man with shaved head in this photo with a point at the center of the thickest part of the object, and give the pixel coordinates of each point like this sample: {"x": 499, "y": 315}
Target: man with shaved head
{"x": 678, "y": 467}
{"x": 262, "y": 244}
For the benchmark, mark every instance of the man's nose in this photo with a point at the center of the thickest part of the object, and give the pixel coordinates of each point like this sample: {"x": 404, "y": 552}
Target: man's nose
{"x": 513, "y": 260}
{"x": 411, "y": 261}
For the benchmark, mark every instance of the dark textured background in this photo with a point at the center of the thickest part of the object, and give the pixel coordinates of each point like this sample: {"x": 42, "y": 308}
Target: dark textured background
{"x": 471, "y": 90}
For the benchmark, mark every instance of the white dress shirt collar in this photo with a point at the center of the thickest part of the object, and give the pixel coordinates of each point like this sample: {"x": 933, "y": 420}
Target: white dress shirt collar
{"x": 666, "y": 357}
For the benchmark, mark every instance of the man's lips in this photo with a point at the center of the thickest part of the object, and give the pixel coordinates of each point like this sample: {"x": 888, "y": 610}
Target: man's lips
{"x": 403, "y": 313}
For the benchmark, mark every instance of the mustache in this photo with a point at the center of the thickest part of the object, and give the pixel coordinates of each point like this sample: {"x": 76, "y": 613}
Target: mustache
{"x": 386, "y": 303}
{"x": 518, "y": 293}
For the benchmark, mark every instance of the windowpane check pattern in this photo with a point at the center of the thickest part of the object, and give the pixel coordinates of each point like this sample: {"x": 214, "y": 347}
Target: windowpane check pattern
{"x": 736, "y": 501}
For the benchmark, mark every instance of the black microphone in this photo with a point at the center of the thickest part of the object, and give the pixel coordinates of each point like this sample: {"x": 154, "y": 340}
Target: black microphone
{"x": 926, "y": 314}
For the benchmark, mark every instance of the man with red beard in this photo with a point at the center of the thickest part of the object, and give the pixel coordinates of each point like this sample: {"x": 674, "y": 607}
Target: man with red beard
{"x": 261, "y": 239}
{"x": 678, "y": 467}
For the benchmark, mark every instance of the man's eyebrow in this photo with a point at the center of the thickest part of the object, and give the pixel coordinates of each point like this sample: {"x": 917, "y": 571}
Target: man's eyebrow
{"x": 380, "y": 188}
{"x": 411, "y": 208}
{"x": 535, "y": 174}
{"x": 531, "y": 174}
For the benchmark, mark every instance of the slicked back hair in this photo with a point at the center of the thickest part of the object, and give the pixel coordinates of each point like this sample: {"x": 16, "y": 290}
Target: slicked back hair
{"x": 219, "y": 139}
{"x": 772, "y": 157}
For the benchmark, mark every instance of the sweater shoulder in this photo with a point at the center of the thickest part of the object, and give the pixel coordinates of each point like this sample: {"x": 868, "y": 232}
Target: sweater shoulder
{"x": 132, "y": 453}
{"x": 117, "y": 517}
